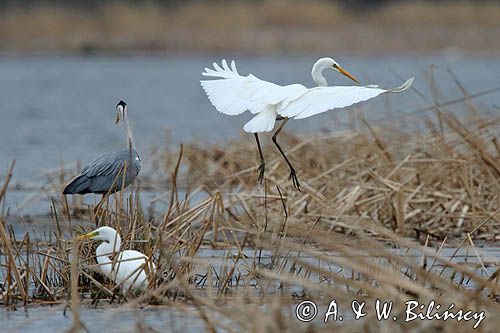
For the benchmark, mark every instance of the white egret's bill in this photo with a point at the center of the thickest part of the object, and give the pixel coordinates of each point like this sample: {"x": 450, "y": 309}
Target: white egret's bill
{"x": 233, "y": 94}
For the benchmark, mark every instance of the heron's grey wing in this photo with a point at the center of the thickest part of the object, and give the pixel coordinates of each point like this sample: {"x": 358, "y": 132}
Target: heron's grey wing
{"x": 107, "y": 164}
{"x": 104, "y": 173}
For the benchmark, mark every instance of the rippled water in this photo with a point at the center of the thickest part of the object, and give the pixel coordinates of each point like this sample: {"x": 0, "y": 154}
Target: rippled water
{"x": 52, "y": 319}
{"x": 56, "y": 110}
{"x": 114, "y": 318}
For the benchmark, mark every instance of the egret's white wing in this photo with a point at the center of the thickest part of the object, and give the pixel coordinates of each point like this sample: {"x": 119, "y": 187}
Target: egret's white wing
{"x": 136, "y": 258}
{"x": 233, "y": 94}
{"x": 130, "y": 269}
{"x": 262, "y": 122}
{"x": 321, "y": 99}
{"x": 266, "y": 118}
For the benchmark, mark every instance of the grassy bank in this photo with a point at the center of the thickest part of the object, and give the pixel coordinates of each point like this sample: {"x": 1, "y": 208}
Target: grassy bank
{"x": 384, "y": 214}
{"x": 252, "y": 27}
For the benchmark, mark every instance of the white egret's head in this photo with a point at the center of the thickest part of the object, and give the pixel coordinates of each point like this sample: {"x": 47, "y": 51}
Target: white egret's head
{"x": 103, "y": 234}
{"x": 329, "y": 63}
{"x": 121, "y": 107}
{"x": 326, "y": 63}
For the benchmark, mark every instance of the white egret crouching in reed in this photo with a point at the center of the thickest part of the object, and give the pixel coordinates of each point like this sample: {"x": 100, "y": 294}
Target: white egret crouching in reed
{"x": 233, "y": 94}
{"x": 130, "y": 269}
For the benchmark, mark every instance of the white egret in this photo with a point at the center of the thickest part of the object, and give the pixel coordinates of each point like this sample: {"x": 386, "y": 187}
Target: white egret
{"x": 233, "y": 94}
{"x": 129, "y": 269}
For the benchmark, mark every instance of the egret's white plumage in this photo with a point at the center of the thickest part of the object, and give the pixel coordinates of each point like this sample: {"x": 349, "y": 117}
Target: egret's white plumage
{"x": 233, "y": 94}
{"x": 130, "y": 269}
{"x": 263, "y": 122}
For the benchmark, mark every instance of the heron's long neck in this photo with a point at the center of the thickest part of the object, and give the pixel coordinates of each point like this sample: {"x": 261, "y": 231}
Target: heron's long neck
{"x": 104, "y": 253}
{"x": 317, "y": 75}
{"x": 128, "y": 129}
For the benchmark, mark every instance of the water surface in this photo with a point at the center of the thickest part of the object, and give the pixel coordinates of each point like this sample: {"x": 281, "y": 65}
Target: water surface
{"x": 57, "y": 110}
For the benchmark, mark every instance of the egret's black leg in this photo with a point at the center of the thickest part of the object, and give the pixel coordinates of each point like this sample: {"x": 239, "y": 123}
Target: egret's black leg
{"x": 293, "y": 175}
{"x": 262, "y": 166}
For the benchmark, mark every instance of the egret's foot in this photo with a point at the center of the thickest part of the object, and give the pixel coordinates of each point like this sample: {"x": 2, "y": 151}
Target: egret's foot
{"x": 261, "y": 169}
{"x": 294, "y": 179}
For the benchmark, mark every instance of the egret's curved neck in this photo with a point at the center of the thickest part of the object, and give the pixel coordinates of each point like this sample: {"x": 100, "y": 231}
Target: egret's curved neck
{"x": 317, "y": 75}
{"x": 128, "y": 129}
{"x": 104, "y": 252}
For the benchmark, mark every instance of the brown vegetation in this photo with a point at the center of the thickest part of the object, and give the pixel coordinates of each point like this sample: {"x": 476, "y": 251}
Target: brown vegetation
{"x": 253, "y": 27}
{"x": 378, "y": 210}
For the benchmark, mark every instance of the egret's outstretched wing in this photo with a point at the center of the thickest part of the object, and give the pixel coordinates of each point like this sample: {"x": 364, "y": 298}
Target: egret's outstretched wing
{"x": 321, "y": 99}
{"x": 263, "y": 122}
{"x": 233, "y": 94}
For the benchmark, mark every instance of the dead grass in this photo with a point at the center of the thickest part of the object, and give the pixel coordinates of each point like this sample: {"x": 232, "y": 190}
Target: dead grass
{"x": 263, "y": 26}
{"x": 384, "y": 214}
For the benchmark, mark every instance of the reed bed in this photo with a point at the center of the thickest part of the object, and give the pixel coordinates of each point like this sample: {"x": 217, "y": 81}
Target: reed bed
{"x": 383, "y": 214}
{"x": 263, "y": 26}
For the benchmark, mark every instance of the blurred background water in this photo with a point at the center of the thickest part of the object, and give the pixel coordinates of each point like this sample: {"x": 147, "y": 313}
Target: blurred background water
{"x": 56, "y": 110}
{"x": 65, "y": 64}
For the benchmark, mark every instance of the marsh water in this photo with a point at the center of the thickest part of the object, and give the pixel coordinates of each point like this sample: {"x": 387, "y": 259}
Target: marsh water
{"x": 103, "y": 319}
{"x": 120, "y": 318}
{"x": 58, "y": 110}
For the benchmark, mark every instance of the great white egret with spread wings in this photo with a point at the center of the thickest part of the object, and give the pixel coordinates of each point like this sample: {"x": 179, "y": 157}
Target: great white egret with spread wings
{"x": 233, "y": 94}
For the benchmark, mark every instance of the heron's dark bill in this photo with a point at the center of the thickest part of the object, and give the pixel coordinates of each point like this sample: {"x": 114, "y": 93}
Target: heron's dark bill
{"x": 117, "y": 117}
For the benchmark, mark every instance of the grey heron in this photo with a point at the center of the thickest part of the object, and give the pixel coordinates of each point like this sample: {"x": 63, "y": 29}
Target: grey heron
{"x": 232, "y": 94}
{"x": 109, "y": 172}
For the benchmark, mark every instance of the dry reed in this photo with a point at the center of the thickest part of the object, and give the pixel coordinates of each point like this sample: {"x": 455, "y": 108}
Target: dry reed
{"x": 384, "y": 214}
{"x": 250, "y": 26}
